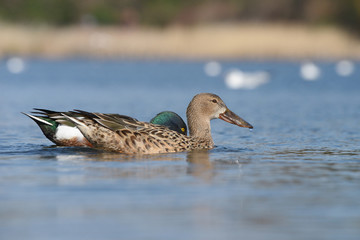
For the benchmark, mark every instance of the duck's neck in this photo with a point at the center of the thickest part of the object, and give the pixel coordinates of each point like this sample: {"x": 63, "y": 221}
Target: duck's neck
{"x": 199, "y": 127}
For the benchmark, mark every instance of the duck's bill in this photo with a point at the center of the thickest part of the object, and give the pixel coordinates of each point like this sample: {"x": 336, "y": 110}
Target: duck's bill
{"x": 230, "y": 117}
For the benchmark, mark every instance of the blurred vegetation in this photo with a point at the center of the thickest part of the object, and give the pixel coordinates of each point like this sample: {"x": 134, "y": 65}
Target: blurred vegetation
{"x": 162, "y": 13}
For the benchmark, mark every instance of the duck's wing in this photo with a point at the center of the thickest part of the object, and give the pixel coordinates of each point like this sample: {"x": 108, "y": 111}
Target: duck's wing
{"x": 119, "y": 133}
{"x": 113, "y": 122}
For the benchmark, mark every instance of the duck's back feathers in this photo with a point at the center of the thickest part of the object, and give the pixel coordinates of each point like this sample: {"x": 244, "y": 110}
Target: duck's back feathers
{"x": 127, "y": 135}
{"x": 62, "y": 131}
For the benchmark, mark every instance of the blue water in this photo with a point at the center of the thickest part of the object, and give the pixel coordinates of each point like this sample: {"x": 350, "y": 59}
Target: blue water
{"x": 295, "y": 176}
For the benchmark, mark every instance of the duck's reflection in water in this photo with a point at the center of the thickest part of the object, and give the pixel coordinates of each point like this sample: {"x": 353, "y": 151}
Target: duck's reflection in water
{"x": 199, "y": 165}
{"x": 97, "y": 165}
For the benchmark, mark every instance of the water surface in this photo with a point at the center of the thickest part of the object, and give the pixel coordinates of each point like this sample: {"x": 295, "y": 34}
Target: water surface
{"x": 295, "y": 176}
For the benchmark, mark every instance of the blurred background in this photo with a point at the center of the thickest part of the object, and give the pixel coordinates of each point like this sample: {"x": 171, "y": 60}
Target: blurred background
{"x": 161, "y": 13}
{"x": 169, "y": 28}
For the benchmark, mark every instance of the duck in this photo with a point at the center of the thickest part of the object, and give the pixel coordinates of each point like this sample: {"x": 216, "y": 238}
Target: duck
{"x": 171, "y": 120}
{"x": 63, "y": 132}
{"x": 127, "y": 135}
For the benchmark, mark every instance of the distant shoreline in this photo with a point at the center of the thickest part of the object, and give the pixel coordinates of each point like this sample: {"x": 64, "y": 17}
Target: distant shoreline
{"x": 228, "y": 41}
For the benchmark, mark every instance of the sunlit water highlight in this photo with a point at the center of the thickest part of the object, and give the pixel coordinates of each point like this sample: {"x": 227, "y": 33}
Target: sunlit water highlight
{"x": 295, "y": 176}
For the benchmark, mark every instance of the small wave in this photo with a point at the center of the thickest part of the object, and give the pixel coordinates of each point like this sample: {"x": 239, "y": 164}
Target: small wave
{"x": 218, "y": 149}
{"x": 322, "y": 151}
{"x": 34, "y": 149}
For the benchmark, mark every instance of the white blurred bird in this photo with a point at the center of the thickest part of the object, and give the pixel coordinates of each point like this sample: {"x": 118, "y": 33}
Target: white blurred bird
{"x": 237, "y": 79}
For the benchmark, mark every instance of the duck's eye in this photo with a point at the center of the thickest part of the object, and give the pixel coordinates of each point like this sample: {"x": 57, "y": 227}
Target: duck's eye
{"x": 214, "y": 101}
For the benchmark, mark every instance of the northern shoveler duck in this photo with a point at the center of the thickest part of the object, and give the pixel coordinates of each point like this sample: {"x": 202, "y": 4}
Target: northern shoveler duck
{"x": 123, "y": 134}
{"x": 64, "y": 132}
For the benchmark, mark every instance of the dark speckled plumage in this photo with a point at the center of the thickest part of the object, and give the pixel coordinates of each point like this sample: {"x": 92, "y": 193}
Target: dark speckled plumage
{"x": 49, "y": 122}
{"x": 130, "y": 136}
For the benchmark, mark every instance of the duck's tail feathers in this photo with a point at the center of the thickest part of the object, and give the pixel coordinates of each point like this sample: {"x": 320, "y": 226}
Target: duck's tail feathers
{"x": 45, "y": 111}
{"x": 47, "y": 125}
{"x": 38, "y": 119}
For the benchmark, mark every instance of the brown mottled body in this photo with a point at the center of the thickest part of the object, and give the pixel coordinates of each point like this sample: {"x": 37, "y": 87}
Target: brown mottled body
{"x": 150, "y": 139}
{"x": 63, "y": 132}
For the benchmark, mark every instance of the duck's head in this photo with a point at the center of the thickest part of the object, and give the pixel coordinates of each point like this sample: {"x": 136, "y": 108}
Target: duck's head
{"x": 171, "y": 120}
{"x": 209, "y": 106}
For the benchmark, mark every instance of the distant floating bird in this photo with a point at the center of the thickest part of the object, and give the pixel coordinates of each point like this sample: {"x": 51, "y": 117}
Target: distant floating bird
{"x": 63, "y": 132}
{"x": 345, "y": 68}
{"x": 15, "y": 65}
{"x": 236, "y": 79}
{"x": 212, "y": 69}
{"x": 309, "y": 71}
{"x": 123, "y": 134}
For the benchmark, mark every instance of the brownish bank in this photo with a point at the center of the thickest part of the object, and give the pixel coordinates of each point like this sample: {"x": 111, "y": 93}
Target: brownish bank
{"x": 208, "y": 41}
